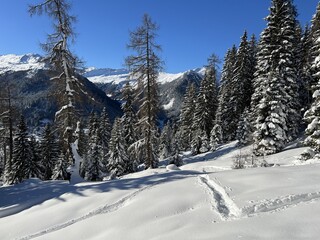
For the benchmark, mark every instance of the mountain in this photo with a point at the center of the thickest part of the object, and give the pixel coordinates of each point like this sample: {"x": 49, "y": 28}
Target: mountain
{"x": 172, "y": 86}
{"x": 38, "y": 97}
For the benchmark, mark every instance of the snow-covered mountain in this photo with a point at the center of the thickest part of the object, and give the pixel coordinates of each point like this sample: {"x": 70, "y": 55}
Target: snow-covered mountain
{"x": 15, "y": 63}
{"x": 39, "y": 97}
{"x": 172, "y": 86}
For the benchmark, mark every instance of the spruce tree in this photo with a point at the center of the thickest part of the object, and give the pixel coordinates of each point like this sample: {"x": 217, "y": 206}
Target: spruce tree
{"x": 145, "y": 65}
{"x": 215, "y": 137}
{"x": 60, "y": 169}
{"x": 275, "y": 100}
{"x": 224, "y": 116}
{"x": 313, "y": 114}
{"x": 206, "y": 101}
{"x": 166, "y": 142}
{"x": 104, "y": 135}
{"x": 22, "y": 155}
{"x": 35, "y": 168}
{"x": 244, "y": 131}
{"x": 118, "y": 158}
{"x": 186, "y": 117}
{"x": 49, "y": 151}
{"x": 129, "y": 127}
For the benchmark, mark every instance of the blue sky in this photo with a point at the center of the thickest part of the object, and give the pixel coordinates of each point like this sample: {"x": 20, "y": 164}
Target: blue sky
{"x": 190, "y": 30}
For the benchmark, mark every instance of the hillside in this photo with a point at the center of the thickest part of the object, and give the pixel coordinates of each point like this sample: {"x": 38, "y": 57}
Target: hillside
{"x": 206, "y": 199}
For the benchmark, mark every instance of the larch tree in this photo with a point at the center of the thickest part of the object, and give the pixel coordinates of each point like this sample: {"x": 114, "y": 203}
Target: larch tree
{"x": 64, "y": 63}
{"x": 145, "y": 66}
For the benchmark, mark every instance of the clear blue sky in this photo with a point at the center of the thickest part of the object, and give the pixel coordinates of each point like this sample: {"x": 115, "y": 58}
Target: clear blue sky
{"x": 190, "y": 30}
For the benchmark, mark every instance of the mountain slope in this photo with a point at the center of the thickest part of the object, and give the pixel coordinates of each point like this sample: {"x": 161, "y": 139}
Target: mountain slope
{"x": 39, "y": 97}
{"x": 205, "y": 200}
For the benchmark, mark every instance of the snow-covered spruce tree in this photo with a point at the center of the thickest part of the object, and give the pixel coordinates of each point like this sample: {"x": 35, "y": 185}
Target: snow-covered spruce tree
{"x": 244, "y": 131}
{"x": 312, "y": 116}
{"x": 215, "y": 137}
{"x": 223, "y": 116}
{"x": 60, "y": 169}
{"x": 63, "y": 62}
{"x": 241, "y": 83}
{"x": 35, "y": 168}
{"x": 186, "y": 117}
{"x": 176, "y": 158}
{"x": 200, "y": 142}
{"x": 82, "y": 139}
{"x": 306, "y": 73}
{"x": 206, "y": 101}
{"x": 49, "y": 151}
{"x": 129, "y": 127}
{"x": 92, "y": 167}
{"x": 206, "y": 105}
{"x": 104, "y": 135}
{"x": 145, "y": 66}
{"x": 166, "y": 141}
{"x": 118, "y": 158}
{"x": 275, "y": 100}
{"x": 22, "y": 156}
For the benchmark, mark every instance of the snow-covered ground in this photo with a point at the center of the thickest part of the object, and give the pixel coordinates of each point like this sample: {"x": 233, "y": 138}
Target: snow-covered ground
{"x": 206, "y": 199}
{"x": 12, "y": 62}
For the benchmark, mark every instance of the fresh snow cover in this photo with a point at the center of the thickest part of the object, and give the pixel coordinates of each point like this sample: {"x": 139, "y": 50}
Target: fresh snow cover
{"x": 206, "y": 199}
{"x": 25, "y": 62}
{"x": 168, "y": 105}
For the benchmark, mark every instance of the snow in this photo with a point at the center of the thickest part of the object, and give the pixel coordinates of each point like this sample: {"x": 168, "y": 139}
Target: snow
{"x": 169, "y": 105}
{"x": 25, "y": 62}
{"x": 206, "y": 199}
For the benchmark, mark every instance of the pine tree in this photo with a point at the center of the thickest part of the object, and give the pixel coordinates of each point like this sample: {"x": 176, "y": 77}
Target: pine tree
{"x": 49, "y": 151}
{"x": 275, "y": 100}
{"x": 146, "y": 66}
{"x": 186, "y": 117}
{"x": 118, "y": 158}
{"x": 176, "y": 158}
{"x": 223, "y": 116}
{"x": 22, "y": 156}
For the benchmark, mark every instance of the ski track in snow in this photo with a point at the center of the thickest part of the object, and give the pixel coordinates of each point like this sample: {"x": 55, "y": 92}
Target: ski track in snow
{"x": 222, "y": 203}
{"x": 101, "y": 210}
{"x": 281, "y": 203}
{"x": 228, "y": 210}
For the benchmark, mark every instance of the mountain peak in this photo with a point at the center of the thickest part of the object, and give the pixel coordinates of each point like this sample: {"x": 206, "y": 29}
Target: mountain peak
{"x": 12, "y": 62}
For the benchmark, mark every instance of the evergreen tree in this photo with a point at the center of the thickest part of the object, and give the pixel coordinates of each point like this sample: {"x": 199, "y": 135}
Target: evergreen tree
{"x": 275, "y": 100}
{"x": 176, "y": 159}
{"x": 129, "y": 127}
{"x": 82, "y": 139}
{"x": 35, "y": 168}
{"x": 186, "y": 117}
{"x": 118, "y": 158}
{"x": 22, "y": 156}
{"x": 224, "y": 116}
{"x": 215, "y": 137}
{"x": 165, "y": 142}
{"x": 146, "y": 66}
{"x": 312, "y": 115}
{"x": 206, "y": 101}
{"x": 49, "y": 151}
{"x": 244, "y": 131}
{"x": 60, "y": 169}
{"x": 104, "y": 134}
